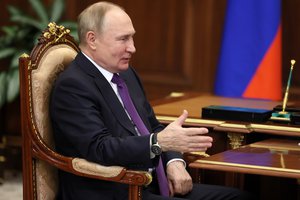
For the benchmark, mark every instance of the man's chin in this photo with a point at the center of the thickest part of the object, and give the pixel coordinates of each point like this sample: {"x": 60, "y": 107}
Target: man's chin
{"x": 124, "y": 67}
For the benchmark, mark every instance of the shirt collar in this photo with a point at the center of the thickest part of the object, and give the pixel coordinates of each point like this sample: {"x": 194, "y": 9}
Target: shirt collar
{"x": 107, "y": 74}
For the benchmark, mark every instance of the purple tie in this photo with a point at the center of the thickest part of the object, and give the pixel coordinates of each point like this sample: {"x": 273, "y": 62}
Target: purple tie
{"x": 128, "y": 104}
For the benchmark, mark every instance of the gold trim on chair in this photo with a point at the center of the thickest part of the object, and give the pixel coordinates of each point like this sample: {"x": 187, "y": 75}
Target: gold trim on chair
{"x": 57, "y": 31}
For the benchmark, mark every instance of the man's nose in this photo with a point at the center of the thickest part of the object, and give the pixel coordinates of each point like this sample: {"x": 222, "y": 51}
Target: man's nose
{"x": 130, "y": 47}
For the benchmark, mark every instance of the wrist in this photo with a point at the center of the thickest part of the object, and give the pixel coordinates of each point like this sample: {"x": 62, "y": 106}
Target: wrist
{"x": 161, "y": 142}
{"x": 155, "y": 147}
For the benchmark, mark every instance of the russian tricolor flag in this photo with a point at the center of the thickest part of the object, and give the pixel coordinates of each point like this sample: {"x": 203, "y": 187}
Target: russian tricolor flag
{"x": 250, "y": 59}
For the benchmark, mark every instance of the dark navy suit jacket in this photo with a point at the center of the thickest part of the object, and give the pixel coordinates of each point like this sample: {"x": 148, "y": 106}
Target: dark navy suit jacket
{"x": 89, "y": 122}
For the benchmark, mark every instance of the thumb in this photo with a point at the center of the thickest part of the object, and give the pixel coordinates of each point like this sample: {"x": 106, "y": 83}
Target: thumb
{"x": 171, "y": 189}
{"x": 181, "y": 119}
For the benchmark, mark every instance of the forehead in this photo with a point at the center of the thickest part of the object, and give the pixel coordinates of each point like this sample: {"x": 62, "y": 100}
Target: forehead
{"x": 118, "y": 20}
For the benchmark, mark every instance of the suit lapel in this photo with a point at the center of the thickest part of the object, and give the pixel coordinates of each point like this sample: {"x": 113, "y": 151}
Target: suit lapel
{"x": 107, "y": 93}
{"x": 114, "y": 104}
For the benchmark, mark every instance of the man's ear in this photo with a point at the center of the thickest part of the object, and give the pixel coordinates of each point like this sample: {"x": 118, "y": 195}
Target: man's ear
{"x": 91, "y": 39}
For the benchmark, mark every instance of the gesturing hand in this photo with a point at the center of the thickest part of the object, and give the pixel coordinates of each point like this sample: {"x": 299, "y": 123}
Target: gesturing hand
{"x": 177, "y": 138}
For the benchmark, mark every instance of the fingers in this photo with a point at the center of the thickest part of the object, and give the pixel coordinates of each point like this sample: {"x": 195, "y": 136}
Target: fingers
{"x": 181, "y": 119}
{"x": 196, "y": 143}
{"x": 201, "y": 144}
{"x": 182, "y": 187}
{"x": 195, "y": 131}
{"x": 171, "y": 189}
{"x": 199, "y": 147}
{"x": 177, "y": 138}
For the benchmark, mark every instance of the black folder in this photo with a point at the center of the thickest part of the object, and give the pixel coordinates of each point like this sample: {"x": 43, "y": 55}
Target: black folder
{"x": 230, "y": 113}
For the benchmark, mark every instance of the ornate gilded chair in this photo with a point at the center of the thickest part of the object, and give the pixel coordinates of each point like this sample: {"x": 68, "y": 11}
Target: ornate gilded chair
{"x": 54, "y": 51}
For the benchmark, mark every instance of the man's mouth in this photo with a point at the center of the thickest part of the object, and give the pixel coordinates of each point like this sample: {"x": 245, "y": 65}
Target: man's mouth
{"x": 126, "y": 59}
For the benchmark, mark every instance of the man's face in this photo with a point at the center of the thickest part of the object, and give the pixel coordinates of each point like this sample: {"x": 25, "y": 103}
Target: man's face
{"x": 115, "y": 46}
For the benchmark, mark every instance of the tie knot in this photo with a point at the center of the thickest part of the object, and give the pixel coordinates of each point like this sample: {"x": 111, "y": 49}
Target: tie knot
{"x": 117, "y": 79}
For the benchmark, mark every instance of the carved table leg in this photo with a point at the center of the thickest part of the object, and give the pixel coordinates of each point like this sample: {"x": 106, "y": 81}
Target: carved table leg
{"x": 235, "y": 140}
{"x": 234, "y": 179}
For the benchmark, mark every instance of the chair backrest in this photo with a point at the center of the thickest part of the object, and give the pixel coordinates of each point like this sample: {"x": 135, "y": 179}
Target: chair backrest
{"x": 53, "y": 53}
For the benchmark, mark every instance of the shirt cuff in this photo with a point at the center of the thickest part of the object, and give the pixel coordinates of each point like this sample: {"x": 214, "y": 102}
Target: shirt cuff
{"x": 177, "y": 159}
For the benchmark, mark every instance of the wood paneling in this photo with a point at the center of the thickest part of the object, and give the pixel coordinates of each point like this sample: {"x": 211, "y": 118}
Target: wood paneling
{"x": 291, "y": 44}
{"x": 174, "y": 41}
{"x": 178, "y": 41}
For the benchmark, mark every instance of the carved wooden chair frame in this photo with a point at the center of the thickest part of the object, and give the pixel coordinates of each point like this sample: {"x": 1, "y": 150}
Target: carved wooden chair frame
{"x": 37, "y": 148}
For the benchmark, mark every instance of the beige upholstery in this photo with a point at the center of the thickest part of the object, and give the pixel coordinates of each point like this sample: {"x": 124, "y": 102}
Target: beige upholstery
{"x": 81, "y": 165}
{"x": 52, "y": 63}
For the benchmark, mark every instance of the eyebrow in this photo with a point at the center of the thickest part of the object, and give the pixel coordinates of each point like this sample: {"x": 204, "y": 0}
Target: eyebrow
{"x": 126, "y": 35}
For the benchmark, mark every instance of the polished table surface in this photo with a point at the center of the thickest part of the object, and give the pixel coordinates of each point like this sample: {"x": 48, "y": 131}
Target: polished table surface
{"x": 273, "y": 157}
{"x": 281, "y": 162}
{"x": 193, "y": 103}
{"x": 168, "y": 109}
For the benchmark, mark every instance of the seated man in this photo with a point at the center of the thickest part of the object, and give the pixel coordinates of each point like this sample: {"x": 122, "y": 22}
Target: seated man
{"x": 99, "y": 112}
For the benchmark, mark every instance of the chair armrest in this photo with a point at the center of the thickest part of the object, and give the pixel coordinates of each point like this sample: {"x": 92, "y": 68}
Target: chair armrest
{"x": 111, "y": 173}
{"x": 86, "y": 167}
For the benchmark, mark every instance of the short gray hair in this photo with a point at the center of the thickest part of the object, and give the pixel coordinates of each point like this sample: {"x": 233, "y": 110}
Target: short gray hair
{"x": 92, "y": 18}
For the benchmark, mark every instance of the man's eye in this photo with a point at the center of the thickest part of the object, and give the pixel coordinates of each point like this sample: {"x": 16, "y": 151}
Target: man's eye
{"x": 125, "y": 38}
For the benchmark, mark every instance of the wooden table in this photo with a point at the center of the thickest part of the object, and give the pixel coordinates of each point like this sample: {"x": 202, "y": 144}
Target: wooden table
{"x": 168, "y": 109}
{"x": 230, "y": 138}
{"x": 272, "y": 157}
